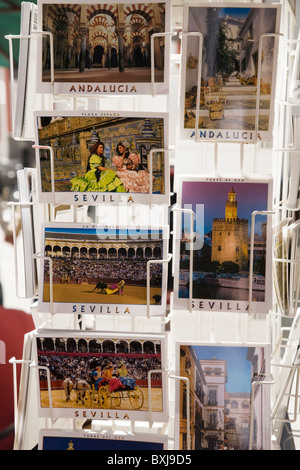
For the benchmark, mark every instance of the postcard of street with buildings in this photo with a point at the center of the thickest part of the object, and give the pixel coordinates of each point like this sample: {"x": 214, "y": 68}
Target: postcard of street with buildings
{"x": 229, "y": 65}
{"x": 103, "y": 49}
{"x": 92, "y": 269}
{"x": 62, "y": 439}
{"x": 286, "y": 246}
{"x": 96, "y": 375}
{"x": 228, "y": 250}
{"x": 293, "y": 95}
{"x": 228, "y": 411}
{"x": 280, "y": 268}
{"x": 102, "y": 157}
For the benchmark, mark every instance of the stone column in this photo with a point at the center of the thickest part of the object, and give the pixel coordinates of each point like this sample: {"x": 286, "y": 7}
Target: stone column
{"x": 109, "y": 56}
{"x": 109, "y": 39}
{"x": 121, "y": 51}
{"x": 157, "y": 26}
{"x": 121, "y": 30}
{"x": 83, "y": 31}
{"x": 70, "y": 16}
{"x": 82, "y": 54}
{"x": 90, "y": 55}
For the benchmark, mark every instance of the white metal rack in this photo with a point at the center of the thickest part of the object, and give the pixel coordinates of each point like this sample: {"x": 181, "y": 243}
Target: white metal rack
{"x": 282, "y": 332}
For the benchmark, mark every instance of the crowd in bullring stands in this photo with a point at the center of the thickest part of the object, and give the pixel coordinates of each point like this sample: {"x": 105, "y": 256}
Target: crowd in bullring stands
{"x": 99, "y": 269}
{"x": 78, "y": 367}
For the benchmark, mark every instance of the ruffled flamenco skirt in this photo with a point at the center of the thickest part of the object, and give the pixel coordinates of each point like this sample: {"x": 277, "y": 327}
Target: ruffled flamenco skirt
{"x": 108, "y": 182}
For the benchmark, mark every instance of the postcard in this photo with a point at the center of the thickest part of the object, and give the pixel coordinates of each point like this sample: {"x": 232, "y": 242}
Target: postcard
{"x": 226, "y": 414}
{"x": 222, "y": 241}
{"x": 286, "y": 264}
{"x": 25, "y": 72}
{"x": 58, "y": 439}
{"x": 103, "y": 49}
{"x": 95, "y": 375}
{"x": 293, "y": 88}
{"x": 229, "y": 72}
{"x": 279, "y": 265}
{"x": 102, "y": 157}
{"x": 294, "y": 284}
{"x": 24, "y": 180}
{"x": 103, "y": 270}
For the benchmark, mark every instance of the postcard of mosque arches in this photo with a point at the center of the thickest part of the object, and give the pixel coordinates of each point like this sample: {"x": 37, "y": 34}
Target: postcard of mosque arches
{"x": 104, "y": 376}
{"x": 103, "y": 270}
{"x": 231, "y": 403}
{"x": 105, "y": 157}
{"x": 229, "y": 67}
{"x": 101, "y": 49}
{"x": 230, "y": 250}
{"x": 64, "y": 439}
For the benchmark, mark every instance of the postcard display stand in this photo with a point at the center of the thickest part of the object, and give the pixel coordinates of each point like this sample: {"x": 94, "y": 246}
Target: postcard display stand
{"x": 189, "y": 346}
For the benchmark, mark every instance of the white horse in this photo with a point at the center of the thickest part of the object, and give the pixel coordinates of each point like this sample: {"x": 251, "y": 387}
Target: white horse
{"x": 68, "y": 387}
{"x": 81, "y": 387}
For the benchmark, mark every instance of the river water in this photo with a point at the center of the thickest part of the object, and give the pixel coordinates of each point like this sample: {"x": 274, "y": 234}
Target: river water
{"x": 221, "y": 293}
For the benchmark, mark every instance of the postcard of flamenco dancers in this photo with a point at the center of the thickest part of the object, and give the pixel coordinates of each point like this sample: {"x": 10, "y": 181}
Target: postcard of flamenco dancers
{"x": 105, "y": 157}
{"x": 103, "y": 49}
{"x": 100, "y": 375}
{"x": 103, "y": 271}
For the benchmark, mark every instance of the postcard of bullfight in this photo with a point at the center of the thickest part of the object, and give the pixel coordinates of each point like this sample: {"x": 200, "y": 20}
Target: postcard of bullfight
{"x": 102, "y": 49}
{"x": 97, "y": 375}
{"x": 230, "y": 245}
{"x": 55, "y": 439}
{"x": 103, "y": 271}
{"x": 229, "y": 67}
{"x": 102, "y": 157}
{"x": 230, "y": 402}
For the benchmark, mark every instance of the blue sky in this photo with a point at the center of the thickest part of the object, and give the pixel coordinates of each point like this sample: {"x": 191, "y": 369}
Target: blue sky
{"x": 234, "y": 12}
{"x": 98, "y": 231}
{"x": 251, "y": 197}
{"x": 238, "y": 367}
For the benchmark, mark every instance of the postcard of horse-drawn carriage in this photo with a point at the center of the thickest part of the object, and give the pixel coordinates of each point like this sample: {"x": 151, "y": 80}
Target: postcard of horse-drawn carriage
{"x": 102, "y": 49}
{"x": 102, "y": 157}
{"x": 229, "y": 66}
{"x": 95, "y": 375}
{"x": 62, "y": 439}
{"x": 93, "y": 269}
{"x": 229, "y": 388}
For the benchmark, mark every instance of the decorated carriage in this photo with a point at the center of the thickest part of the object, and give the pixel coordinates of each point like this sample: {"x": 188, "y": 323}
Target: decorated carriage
{"x": 110, "y": 395}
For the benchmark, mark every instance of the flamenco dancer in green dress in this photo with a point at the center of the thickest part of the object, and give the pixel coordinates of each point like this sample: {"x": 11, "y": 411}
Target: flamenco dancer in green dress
{"x": 97, "y": 178}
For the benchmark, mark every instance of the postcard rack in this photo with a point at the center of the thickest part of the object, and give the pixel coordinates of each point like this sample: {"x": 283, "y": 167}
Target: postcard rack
{"x": 277, "y": 327}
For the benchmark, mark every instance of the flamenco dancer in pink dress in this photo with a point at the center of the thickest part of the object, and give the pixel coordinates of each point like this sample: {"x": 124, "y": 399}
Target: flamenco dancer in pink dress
{"x": 126, "y": 163}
